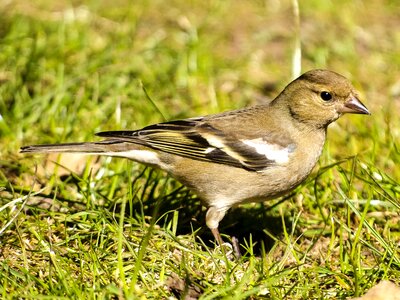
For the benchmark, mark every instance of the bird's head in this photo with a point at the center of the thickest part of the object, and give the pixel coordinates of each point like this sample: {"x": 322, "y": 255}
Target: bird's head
{"x": 319, "y": 97}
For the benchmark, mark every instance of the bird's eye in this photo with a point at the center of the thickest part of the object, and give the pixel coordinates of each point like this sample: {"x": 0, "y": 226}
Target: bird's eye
{"x": 326, "y": 96}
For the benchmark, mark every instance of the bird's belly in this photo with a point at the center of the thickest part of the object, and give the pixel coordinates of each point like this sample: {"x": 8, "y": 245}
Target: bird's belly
{"x": 220, "y": 187}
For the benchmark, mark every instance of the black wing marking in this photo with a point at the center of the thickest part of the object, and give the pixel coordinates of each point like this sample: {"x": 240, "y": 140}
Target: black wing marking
{"x": 195, "y": 139}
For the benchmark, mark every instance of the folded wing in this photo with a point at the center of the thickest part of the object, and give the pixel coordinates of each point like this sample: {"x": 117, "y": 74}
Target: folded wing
{"x": 196, "y": 139}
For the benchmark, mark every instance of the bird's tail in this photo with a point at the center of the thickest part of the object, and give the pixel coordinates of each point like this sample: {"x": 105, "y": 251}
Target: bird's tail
{"x": 110, "y": 147}
{"x": 88, "y": 148}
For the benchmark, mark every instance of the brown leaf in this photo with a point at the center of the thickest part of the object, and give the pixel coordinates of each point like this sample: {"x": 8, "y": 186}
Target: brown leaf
{"x": 385, "y": 290}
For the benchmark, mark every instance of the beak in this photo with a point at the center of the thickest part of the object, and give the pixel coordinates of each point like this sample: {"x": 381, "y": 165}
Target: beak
{"x": 354, "y": 106}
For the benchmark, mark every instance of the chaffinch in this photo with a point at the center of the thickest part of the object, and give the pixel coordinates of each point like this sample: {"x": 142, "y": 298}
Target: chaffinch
{"x": 247, "y": 155}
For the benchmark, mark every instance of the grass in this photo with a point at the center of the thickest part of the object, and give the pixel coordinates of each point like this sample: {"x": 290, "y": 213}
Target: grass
{"x": 101, "y": 228}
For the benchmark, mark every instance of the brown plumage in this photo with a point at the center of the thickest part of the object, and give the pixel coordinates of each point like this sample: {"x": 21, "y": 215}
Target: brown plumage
{"x": 247, "y": 155}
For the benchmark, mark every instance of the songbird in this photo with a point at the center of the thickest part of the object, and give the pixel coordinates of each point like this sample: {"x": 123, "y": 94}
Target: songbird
{"x": 246, "y": 155}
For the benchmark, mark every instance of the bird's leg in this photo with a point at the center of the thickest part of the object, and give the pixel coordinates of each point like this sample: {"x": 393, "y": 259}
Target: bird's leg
{"x": 213, "y": 217}
{"x": 236, "y": 247}
{"x": 217, "y": 236}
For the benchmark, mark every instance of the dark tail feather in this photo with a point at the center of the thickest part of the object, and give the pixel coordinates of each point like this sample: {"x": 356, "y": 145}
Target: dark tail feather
{"x": 69, "y": 147}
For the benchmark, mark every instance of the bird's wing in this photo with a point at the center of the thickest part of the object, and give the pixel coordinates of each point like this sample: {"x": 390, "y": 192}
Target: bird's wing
{"x": 197, "y": 139}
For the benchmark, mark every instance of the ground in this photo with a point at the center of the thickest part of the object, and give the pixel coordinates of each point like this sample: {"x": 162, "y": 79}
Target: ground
{"x": 87, "y": 227}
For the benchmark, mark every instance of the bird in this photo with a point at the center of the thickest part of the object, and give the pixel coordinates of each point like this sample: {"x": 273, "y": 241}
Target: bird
{"x": 252, "y": 154}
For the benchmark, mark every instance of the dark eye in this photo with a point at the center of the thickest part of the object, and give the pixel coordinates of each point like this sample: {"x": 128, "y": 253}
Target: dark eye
{"x": 326, "y": 96}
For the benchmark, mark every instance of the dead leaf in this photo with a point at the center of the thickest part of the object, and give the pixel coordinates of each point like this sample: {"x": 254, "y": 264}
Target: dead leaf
{"x": 385, "y": 290}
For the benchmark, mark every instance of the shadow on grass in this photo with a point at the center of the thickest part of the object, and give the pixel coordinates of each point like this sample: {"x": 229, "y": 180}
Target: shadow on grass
{"x": 247, "y": 222}
{"x": 242, "y": 222}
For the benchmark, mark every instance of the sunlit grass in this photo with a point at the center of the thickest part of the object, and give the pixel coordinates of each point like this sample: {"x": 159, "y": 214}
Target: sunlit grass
{"x": 102, "y": 228}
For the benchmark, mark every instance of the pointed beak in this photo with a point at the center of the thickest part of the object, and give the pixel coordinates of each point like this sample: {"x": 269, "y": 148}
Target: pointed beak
{"x": 354, "y": 106}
